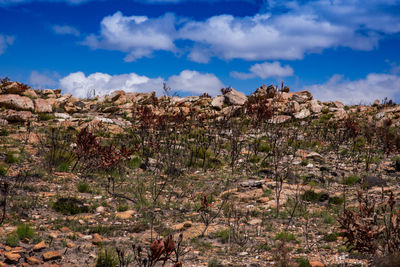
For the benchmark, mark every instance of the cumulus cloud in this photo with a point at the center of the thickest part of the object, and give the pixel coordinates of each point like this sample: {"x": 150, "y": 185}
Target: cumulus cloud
{"x": 195, "y": 82}
{"x": 5, "y": 41}
{"x": 43, "y": 80}
{"x": 308, "y": 28}
{"x": 265, "y": 70}
{"x": 65, "y": 29}
{"x": 138, "y": 36}
{"x": 188, "y": 81}
{"x": 374, "y": 86}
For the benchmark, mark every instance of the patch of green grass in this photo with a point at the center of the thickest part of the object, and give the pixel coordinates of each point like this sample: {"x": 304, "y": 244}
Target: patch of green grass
{"x": 311, "y": 196}
{"x": 351, "y": 180}
{"x": 12, "y": 157}
{"x": 25, "y": 231}
{"x": 3, "y": 170}
{"x": 285, "y": 236}
{"x": 46, "y": 116}
{"x": 107, "y": 258}
{"x": 4, "y": 132}
{"x": 223, "y": 235}
{"x": 336, "y": 200}
{"x": 122, "y": 207}
{"x": 303, "y": 262}
{"x": 12, "y": 240}
{"x": 69, "y": 206}
{"x": 83, "y": 187}
{"x": 332, "y": 237}
{"x": 63, "y": 167}
{"x": 213, "y": 263}
{"x": 201, "y": 245}
{"x": 134, "y": 163}
{"x": 304, "y": 162}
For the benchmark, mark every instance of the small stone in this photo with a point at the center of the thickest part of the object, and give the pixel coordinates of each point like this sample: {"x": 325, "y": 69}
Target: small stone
{"x": 53, "y": 235}
{"x": 70, "y": 245}
{"x": 2, "y": 264}
{"x": 40, "y": 246}
{"x": 65, "y": 230}
{"x": 12, "y": 257}
{"x": 125, "y": 214}
{"x": 52, "y": 255}
{"x": 100, "y": 209}
{"x": 33, "y": 261}
{"x": 316, "y": 264}
{"x": 97, "y": 240}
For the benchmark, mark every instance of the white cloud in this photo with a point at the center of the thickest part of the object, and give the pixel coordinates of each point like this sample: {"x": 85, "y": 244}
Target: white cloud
{"x": 265, "y": 70}
{"x": 43, "y": 80}
{"x": 195, "y": 82}
{"x": 65, "y": 29}
{"x": 374, "y": 86}
{"x": 187, "y": 81}
{"x": 265, "y": 36}
{"x": 138, "y": 36}
{"x": 5, "y": 41}
{"x": 80, "y": 85}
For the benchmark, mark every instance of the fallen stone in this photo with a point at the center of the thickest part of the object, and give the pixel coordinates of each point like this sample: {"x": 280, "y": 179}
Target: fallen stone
{"x": 218, "y": 102}
{"x": 12, "y": 257}
{"x": 234, "y": 97}
{"x": 97, "y": 240}
{"x": 33, "y": 261}
{"x": 52, "y": 255}
{"x": 125, "y": 214}
{"x": 256, "y": 184}
{"x": 302, "y": 114}
{"x": 40, "y": 246}
{"x": 42, "y": 106}
{"x": 16, "y": 102}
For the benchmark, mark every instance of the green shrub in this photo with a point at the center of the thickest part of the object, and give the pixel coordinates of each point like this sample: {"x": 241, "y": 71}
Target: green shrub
{"x": 63, "y": 167}
{"x": 304, "y": 162}
{"x": 83, "y": 187}
{"x": 12, "y": 240}
{"x": 134, "y": 163}
{"x": 351, "y": 180}
{"x": 223, "y": 235}
{"x": 25, "y": 231}
{"x": 336, "y": 200}
{"x": 312, "y": 196}
{"x": 46, "y": 116}
{"x": 303, "y": 262}
{"x": 213, "y": 263}
{"x": 12, "y": 157}
{"x": 3, "y": 170}
{"x": 4, "y": 132}
{"x": 122, "y": 208}
{"x": 69, "y": 206}
{"x": 331, "y": 237}
{"x": 107, "y": 258}
{"x": 285, "y": 236}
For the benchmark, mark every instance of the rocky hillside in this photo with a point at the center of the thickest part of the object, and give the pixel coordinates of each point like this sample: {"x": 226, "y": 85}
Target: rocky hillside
{"x": 275, "y": 178}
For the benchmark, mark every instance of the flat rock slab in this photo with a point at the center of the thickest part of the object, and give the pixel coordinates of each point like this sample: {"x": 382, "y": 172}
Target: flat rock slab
{"x": 52, "y": 255}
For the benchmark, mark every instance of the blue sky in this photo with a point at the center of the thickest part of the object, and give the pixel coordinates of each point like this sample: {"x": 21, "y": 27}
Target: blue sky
{"x": 339, "y": 49}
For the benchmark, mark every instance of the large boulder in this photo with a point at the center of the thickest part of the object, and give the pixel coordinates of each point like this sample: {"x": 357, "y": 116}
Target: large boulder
{"x": 218, "y": 102}
{"x": 264, "y": 91}
{"x": 301, "y": 97}
{"x": 292, "y": 107}
{"x": 14, "y": 88}
{"x": 302, "y": 114}
{"x": 234, "y": 97}
{"x": 17, "y": 116}
{"x": 315, "y": 106}
{"x": 16, "y": 102}
{"x": 42, "y": 106}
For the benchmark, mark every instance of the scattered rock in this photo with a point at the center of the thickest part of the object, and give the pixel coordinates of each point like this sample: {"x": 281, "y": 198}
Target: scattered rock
{"x": 12, "y": 257}
{"x": 251, "y": 183}
{"x": 218, "y": 102}
{"x": 302, "y": 114}
{"x": 33, "y": 261}
{"x": 52, "y": 255}
{"x": 16, "y": 102}
{"x": 97, "y": 240}
{"x": 40, "y": 246}
{"x": 125, "y": 214}
{"x": 234, "y": 97}
{"x": 42, "y": 106}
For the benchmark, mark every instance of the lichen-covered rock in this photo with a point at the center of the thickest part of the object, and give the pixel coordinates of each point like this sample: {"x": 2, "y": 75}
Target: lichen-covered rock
{"x": 234, "y": 97}
{"x": 42, "y": 106}
{"x": 16, "y": 102}
{"x": 218, "y": 102}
